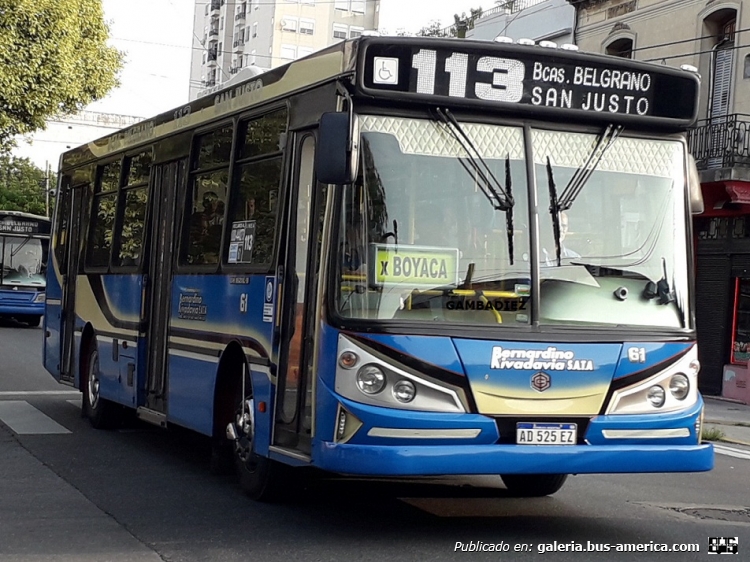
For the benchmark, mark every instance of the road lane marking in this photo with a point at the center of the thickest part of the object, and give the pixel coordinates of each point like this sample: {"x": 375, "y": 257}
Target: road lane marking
{"x": 730, "y": 452}
{"x": 37, "y": 392}
{"x": 24, "y": 419}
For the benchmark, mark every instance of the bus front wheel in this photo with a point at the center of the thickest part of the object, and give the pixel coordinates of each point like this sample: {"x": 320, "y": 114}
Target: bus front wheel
{"x": 259, "y": 477}
{"x": 102, "y": 413}
{"x": 533, "y": 485}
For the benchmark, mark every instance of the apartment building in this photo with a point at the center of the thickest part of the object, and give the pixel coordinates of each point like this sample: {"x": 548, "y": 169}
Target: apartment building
{"x": 238, "y": 38}
{"x": 713, "y": 36}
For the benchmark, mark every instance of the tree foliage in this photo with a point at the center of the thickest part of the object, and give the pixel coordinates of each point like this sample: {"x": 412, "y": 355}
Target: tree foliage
{"x": 54, "y": 60}
{"x": 457, "y": 29}
{"x": 22, "y": 186}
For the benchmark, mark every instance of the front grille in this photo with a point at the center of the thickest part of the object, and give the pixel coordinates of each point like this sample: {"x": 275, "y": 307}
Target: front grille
{"x": 506, "y": 426}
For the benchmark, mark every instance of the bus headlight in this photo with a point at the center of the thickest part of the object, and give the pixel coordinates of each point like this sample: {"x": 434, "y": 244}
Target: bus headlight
{"x": 673, "y": 388}
{"x": 40, "y": 297}
{"x": 404, "y": 391}
{"x": 368, "y": 376}
{"x": 656, "y": 396}
{"x": 370, "y": 379}
{"x": 679, "y": 386}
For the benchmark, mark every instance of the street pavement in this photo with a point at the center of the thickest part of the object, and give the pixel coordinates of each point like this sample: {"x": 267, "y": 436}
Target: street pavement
{"x": 730, "y": 417}
{"x": 33, "y": 493}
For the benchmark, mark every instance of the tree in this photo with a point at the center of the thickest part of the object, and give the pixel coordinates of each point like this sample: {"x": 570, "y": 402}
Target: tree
{"x": 433, "y": 30}
{"x": 54, "y": 60}
{"x": 22, "y": 186}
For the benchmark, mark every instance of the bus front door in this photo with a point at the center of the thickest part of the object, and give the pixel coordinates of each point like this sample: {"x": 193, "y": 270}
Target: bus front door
{"x": 301, "y": 263}
{"x": 157, "y": 293}
{"x": 69, "y": 253}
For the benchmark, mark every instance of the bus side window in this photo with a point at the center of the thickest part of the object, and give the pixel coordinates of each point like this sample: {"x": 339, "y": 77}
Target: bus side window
{"x": 132, "y": 214}
{"x": 257, "y": 176}
{"x": 208, "y": 183}
{"x": 103, "y": 209}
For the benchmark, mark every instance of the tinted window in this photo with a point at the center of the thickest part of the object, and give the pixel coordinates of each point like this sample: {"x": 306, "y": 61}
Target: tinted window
{"x": 109, "y": 179}
{"x": 214, "y": 148}
{"x": 207, "y": 218}
{"x": 139, "y": 168}
{"x": 100, "y": 231}
{"x": 253, "y": 214}
{"x": 130, "y": 239}
{"x": 265, "y": 135}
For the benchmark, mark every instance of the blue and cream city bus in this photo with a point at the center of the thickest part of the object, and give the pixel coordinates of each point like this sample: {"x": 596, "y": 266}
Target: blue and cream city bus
{"x": 396, "y": 257}
{"x": 24, "y": 245}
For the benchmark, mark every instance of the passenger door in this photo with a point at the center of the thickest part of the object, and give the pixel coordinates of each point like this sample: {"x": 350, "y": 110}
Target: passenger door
{"x": 157, "y": 283}
{"x": 67, "y": 253}
{"x": 301, "y": 263}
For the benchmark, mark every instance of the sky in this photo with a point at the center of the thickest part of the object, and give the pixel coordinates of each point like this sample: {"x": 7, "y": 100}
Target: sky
{"x": 156, "y": 37}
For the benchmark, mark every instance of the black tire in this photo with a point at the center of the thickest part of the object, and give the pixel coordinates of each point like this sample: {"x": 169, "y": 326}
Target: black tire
{"x": 533, "y": 485}
{"x": 261, "y": 478}
{"x": 102, "y": 414}
{"x": 32, "y": 320}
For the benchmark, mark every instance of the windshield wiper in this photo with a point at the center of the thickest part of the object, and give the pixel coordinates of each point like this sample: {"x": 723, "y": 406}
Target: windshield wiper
{"x": 578, "y": 180}
{"x": 501, "y": 198}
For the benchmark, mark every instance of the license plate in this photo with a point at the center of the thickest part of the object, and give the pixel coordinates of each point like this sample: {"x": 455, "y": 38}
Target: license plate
{"x": 546, "y": 433}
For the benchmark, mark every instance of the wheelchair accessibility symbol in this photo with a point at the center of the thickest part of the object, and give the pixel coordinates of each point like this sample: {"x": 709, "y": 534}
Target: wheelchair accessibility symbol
{"x": 385, "y": 71}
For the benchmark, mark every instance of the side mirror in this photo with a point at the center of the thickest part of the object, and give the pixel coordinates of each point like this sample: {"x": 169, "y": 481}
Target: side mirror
{"x": 694, "y": 187}
{"x": 338, "y": 148}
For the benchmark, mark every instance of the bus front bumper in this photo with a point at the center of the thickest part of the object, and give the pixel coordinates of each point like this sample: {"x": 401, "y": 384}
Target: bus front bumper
{"x": 400, "y": 443}
{"x": 375, "y": 460}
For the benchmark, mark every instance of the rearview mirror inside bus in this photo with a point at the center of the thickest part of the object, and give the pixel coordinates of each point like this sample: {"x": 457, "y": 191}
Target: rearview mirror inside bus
{"x": 694, "y": 185}
{"x": 336, "y": 159}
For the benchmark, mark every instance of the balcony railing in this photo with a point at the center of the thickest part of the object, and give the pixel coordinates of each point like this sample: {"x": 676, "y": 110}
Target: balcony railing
{"x": 722, "y": 142}
{"x": 240, "y": 16}
{"x": 510, "y": 7}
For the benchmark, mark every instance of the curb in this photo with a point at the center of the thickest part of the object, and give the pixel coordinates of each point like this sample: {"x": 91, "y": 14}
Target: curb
{"x": 734, "y": 441}
{"x": 722, "y": 399}
{"x": 727, "y": 422}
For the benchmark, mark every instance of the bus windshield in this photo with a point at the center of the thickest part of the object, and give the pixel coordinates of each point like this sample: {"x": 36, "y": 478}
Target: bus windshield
{"x": 22, "y": 261}
{"x": 423, "y": 237}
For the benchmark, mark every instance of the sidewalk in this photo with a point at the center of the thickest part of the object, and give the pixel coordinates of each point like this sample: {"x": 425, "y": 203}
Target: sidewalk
{"x": 731, "y": 418}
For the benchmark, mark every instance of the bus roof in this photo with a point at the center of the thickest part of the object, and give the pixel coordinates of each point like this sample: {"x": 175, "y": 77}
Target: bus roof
{"x": 553, "y": 84}
{"x": 23, "y": 215}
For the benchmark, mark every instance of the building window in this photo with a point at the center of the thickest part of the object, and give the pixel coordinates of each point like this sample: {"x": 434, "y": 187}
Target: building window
{"x": 289, "y": 24}
{"x": 339, "y": 31}
{"x": 304, "y": 51}
{"x": 746, "y": 72}
{"x": 355, "y": 32}
{"x": 341, "y": 5}
{"x": 358, "y": 6}
{"x": 288, "y": 52}
{"x": 252, "y": 57}
{"x": 306, "y": 27}
{"x": 311, "y": 2}
{"x": 255, "y": 29}
{"x": 621, "y": 48}
{"x": 221, "y": 25}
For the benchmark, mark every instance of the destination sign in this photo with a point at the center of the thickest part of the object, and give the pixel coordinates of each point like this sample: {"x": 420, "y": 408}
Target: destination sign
{"x": 10, "y": 225}
{"x": 529, "y": 78}
{"x": 413, "y": 265}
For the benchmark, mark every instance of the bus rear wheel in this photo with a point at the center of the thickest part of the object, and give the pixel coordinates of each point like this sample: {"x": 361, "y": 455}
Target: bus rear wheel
{"x": 260, "y": 478}
{"x": 102, "y": 413}
{"x": 533, "y": 485}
